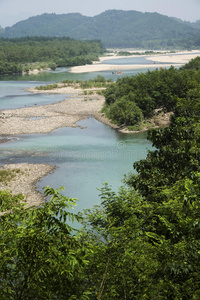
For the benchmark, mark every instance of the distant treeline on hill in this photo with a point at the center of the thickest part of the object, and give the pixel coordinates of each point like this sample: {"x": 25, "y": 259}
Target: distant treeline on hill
{"x": 23, "y": 54}
{"x": 115, "y": 28}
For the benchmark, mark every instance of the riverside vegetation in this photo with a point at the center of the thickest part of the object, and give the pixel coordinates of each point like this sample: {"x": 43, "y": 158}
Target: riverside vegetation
{"x": 29, "y": 53}
{"x": 99, "y": 82}
{"x": 132, "y": 100}
{"x": 140, "y": 243}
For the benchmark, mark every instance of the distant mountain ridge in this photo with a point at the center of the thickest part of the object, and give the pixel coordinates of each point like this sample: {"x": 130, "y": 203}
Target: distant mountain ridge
{"x": 115, "y": 28}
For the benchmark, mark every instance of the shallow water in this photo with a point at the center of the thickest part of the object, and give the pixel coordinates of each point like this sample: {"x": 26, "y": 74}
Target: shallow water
{"x": 85, "y": 158}
{"x": 140, "y": 60}
{"x": 59, "y": 75}
{"x": 63, "y": 73}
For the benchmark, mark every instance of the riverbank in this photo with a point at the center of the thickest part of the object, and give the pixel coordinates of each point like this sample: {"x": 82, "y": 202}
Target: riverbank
{"x": 66, "y": 113}
{"x": 25, "y": 179}
{"x": 35, "y": 71}
{"x": 158, "y": 61}
{"x": 46, "y": 118}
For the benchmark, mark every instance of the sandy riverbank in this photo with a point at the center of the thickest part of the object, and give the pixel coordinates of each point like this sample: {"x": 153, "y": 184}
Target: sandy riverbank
{"x": 159, "y": 61}
{"x": 43, "y": 119}
{"x": 106, "y": 67}
{"x": 24, "y": 182}
{"x": 180, "y": 58}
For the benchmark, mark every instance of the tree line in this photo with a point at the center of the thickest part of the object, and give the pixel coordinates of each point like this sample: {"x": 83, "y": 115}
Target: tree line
{"x": 23, "y": 54}
{"x": 133, "y": 99}
{"x": 141, "y": 242}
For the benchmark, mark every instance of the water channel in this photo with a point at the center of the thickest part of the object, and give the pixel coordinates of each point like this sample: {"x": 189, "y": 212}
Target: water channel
{"x": 85, "y": 157}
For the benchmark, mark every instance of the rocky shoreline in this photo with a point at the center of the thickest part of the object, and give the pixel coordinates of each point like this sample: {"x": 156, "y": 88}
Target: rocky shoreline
{"x": 25, "y": 180}
{"x": 44, "y": 119}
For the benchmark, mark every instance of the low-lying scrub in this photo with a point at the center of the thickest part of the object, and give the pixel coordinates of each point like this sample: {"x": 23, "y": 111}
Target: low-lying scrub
{"x": 8, "y": 175}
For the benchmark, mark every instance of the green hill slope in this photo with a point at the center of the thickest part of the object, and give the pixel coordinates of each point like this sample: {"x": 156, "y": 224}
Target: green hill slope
{"x": 116, "y": 28}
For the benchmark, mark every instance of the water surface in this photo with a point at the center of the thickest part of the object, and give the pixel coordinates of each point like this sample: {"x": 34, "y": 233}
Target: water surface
{"x": 14, "y": 95}
{"x": 84, "y": 158}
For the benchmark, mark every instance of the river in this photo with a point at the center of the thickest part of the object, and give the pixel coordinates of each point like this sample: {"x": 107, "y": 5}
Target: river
{"x": 84, "y": 158}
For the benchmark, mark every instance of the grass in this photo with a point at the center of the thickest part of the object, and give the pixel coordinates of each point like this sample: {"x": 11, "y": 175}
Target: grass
{"x": 8, "y": 175}
{"x": 140, "y": 126}
{"x": 98, "y": 82}
{"x": 47, "y": 87}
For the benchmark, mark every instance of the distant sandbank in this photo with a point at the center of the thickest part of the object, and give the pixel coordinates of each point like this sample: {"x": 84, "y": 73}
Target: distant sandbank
{"x": 159, "y": 61}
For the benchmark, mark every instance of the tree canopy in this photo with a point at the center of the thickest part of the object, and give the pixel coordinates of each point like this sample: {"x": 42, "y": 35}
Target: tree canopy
{"x": 17, "y": 55}
{"x": 158, "y": 89}
{"x": 40, "y": 256}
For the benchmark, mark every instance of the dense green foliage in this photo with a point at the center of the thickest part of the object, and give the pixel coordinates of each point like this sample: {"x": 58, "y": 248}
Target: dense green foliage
{"x": 193, "y": 64}
{"x": 150, "y": 91}
{"x": 17, "y": 55}
{"x": 40, "y": 258}
{"x": 115, "y": 28}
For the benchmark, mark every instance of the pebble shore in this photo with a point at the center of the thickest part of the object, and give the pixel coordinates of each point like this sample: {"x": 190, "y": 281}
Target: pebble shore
{"x": 25, "y": 180}
{"x": 44, "y": 119}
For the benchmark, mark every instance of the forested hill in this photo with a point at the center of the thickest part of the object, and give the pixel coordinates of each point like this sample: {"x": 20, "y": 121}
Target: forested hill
{"x": 115, "y": 28}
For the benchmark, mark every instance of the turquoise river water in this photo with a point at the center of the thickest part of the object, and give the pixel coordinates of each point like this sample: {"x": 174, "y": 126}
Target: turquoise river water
{"x": 84, "y": 158}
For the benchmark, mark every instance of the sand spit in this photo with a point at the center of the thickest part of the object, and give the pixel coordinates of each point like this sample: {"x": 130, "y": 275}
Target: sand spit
{"x": 24, "y": 182}
{"x": 106, "y": 67}
{"x": 43, "y": 119}
{"x": 180, "y": 57}
{"x": 159, "y": 61}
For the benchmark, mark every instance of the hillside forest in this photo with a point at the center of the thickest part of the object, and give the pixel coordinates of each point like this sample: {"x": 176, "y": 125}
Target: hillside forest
{"x": 142, "y": 242}
{"x": 28, "y": 53}
{"x": 115, "y": 28}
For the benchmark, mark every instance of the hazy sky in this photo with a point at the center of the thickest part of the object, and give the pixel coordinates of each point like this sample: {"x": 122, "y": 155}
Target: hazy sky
{"x": 12, "y": 11}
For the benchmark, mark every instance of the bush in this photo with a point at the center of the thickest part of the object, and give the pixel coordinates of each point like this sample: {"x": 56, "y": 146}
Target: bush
{"x": 126, "y": 112}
